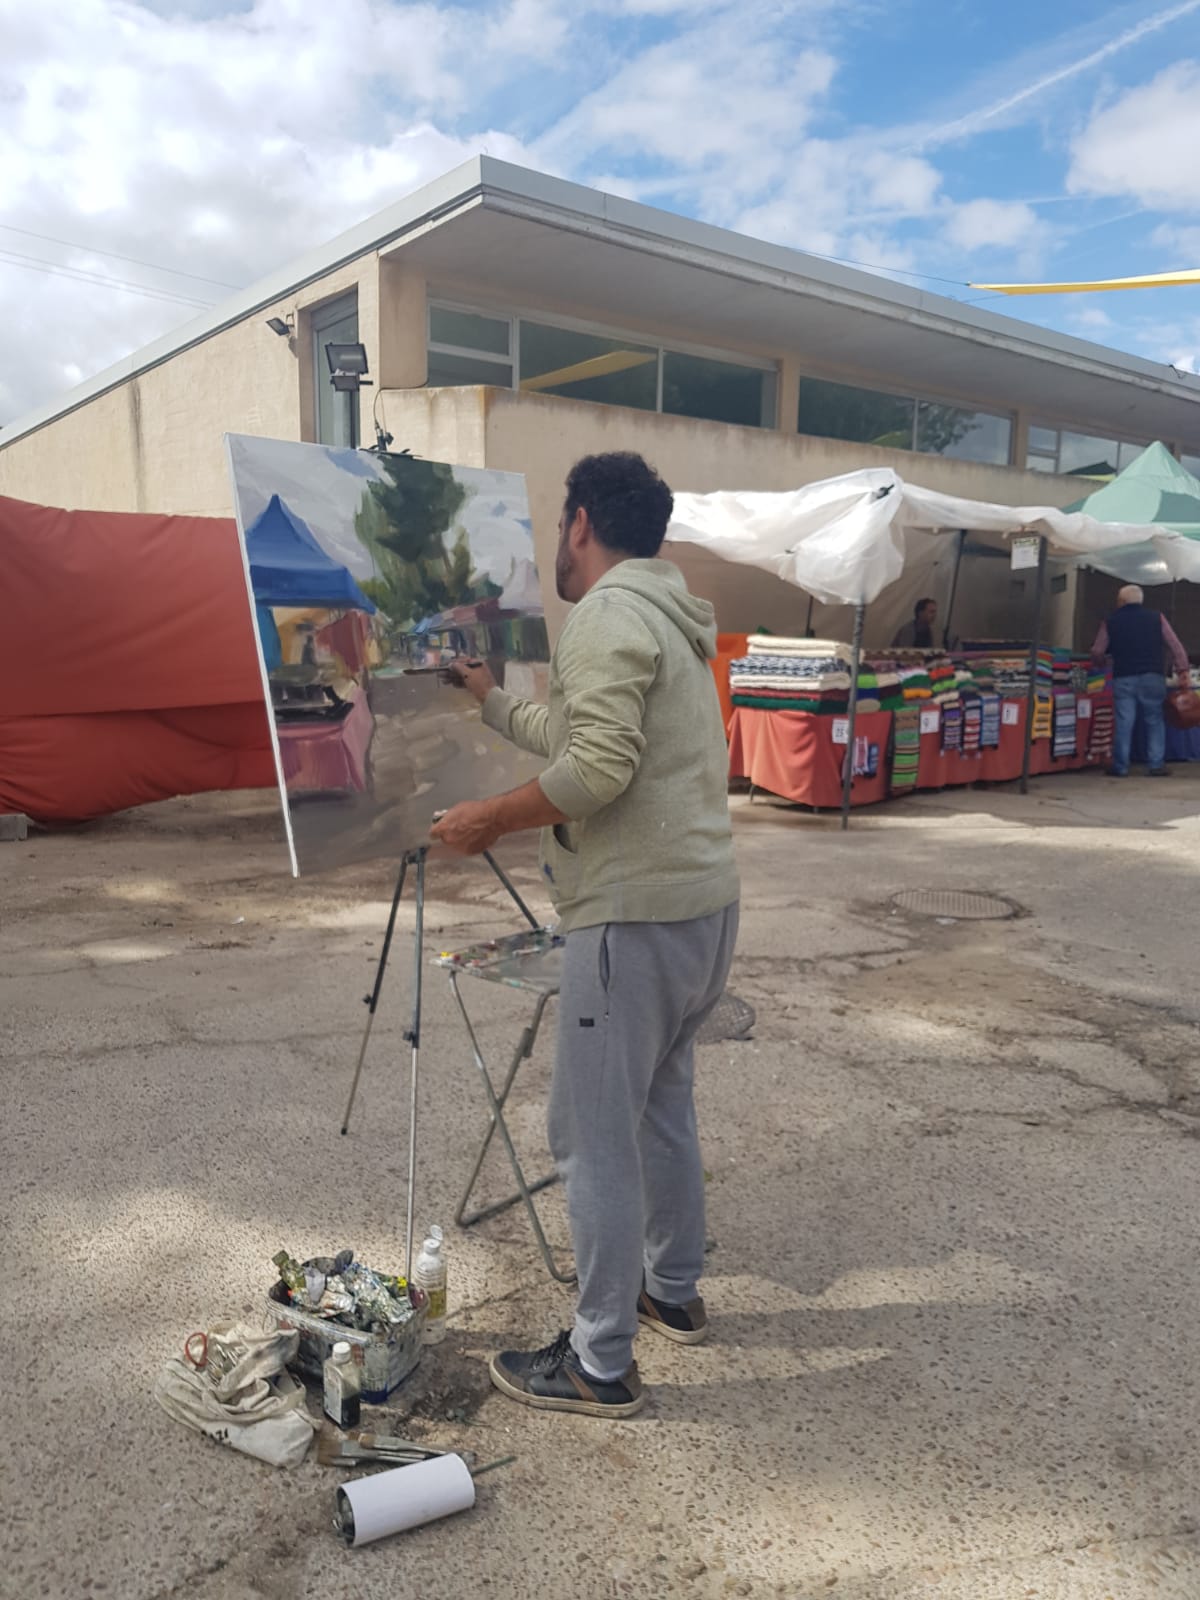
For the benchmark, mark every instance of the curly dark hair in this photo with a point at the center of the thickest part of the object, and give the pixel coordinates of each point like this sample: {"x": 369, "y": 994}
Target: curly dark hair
{"x": 628, "y": 504}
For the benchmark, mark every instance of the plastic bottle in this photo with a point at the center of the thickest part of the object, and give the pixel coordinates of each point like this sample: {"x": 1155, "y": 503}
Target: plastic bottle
{"x": 429, "y": 1274}
{"x": 343, "y": 1387}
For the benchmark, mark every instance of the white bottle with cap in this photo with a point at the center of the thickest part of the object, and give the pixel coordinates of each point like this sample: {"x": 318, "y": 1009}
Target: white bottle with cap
{"x": 429, "y": 1274}
{"x": 343, "y": 1386}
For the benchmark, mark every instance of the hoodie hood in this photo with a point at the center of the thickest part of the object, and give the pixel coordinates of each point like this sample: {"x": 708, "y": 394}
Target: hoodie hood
{"x": 663, "y": 585}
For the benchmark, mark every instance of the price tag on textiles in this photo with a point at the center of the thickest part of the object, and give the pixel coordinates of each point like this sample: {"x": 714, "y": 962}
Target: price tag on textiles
{"x": 1010, "y": 713}
{"x": 841, "y": 730}
{"x": 930, "y": 721}
{"x": 1083, "y": 710}
{"x": 1024, "y": 551}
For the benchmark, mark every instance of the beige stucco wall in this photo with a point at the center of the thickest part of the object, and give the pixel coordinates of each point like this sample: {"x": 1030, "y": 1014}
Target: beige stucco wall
{"x": 542, "y": 437}
{"x": 155, "y": 442}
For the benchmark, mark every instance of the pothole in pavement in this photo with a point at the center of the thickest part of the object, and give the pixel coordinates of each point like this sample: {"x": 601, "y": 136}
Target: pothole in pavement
{"x": 957, "y": 905}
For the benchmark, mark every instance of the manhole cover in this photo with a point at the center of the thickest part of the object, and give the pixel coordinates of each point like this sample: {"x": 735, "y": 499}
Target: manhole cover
{"x": 961, "y": 904}
{"x": 730, "y": 1019}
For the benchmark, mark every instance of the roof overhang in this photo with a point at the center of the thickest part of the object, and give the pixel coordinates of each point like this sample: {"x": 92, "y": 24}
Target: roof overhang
{"x": 540, "y": 240}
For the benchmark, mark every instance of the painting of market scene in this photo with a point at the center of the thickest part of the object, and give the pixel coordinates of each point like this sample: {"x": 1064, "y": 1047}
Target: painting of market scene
{"x": 368, "y": 573}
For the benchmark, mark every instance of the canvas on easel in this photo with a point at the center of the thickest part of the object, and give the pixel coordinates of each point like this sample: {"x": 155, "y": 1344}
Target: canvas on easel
{"x": 367, "y": 573}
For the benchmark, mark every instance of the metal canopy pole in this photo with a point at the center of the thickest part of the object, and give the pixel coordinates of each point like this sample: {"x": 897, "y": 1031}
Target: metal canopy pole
{"x": 962, "y": 540}
{"x": 808, "y": 633}
{"x": 860, "y": 612}
{"x": 1033, "y": 655}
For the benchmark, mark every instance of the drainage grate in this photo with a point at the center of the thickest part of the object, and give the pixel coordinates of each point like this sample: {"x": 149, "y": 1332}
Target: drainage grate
{"x": 961, "y": 904}
{"x": 731, "y": 1019}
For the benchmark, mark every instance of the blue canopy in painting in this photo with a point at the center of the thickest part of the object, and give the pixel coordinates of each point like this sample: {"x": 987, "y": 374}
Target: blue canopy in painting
{"x": 289, "y": 568}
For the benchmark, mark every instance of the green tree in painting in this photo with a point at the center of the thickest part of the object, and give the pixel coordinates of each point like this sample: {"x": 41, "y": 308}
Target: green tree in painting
{"x": 403, "y": 520}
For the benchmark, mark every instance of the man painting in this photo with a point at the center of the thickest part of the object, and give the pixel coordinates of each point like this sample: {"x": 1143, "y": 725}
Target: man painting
{"x": 638, "y": 853}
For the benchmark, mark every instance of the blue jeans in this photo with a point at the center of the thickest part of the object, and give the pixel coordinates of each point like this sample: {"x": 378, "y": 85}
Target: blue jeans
{"x": 1144, "y": 692}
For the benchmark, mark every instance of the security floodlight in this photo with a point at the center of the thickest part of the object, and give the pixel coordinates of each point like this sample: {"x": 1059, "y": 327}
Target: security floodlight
{"x": 348, "y": 359}
{"x": 280, "y": 325}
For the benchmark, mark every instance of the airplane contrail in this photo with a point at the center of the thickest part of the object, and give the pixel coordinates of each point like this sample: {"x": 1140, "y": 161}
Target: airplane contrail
{"x": 977, "y": 119}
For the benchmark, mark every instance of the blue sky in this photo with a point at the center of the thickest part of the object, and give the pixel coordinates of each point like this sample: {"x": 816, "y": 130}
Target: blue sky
{"x": 938, "y": 141}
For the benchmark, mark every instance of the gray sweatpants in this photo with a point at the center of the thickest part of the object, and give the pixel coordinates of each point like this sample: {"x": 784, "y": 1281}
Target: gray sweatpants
{"x": 622, "y": 1119}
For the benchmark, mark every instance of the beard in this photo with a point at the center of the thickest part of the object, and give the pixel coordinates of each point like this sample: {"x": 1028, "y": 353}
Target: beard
{"x": 563, "y": 571}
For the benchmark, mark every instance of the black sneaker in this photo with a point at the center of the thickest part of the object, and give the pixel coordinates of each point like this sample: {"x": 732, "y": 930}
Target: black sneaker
{"x": 1158, "y": 772}
{"x": 1115, "y": 772}
{"x": 553, "y": 1379}
{"x": 685, "y": 1324}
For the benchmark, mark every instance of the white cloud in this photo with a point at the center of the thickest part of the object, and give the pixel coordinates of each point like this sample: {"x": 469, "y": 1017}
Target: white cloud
{"x": 1001, "y": 224}
{"x": 724, "y": 101}
{"x": 1144, "y": 143}
{"x": 221, "y": 138}
{"x": 1179, "y": 246}
{"x": 278, "y": 131}
{"x": 1092, "y": 318}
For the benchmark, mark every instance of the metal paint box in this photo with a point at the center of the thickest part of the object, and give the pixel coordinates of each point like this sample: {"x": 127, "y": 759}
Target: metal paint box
{"x": 387, "y": 1359}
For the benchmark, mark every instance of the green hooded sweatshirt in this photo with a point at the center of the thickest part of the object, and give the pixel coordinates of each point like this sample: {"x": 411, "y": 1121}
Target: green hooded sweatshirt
{"x": 637, "y": 754}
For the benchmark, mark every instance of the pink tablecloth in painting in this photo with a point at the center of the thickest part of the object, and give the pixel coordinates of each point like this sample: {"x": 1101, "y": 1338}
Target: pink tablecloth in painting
{"x": 328, "y": 755}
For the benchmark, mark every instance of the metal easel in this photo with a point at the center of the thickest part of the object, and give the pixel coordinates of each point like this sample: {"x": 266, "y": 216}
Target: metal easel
{"x": 412, "y": 1034}
{"x": 534, "y": 966}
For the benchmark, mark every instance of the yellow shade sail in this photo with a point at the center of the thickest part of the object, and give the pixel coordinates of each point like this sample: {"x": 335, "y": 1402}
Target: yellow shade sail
{"x": 594, "y": 367}
{"x": 1153, "y": 280}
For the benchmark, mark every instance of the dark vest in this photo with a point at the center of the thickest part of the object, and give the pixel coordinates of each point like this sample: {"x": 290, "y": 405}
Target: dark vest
{"x": 1135, "y": 641}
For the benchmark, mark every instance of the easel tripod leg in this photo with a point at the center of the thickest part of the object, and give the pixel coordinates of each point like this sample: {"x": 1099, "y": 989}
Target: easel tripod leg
{"x": 371, "y": 1001}
{"x": 414, "y": 1037}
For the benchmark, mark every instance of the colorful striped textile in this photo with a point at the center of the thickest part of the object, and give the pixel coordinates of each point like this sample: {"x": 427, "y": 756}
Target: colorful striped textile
{"x": 906, "y": 749}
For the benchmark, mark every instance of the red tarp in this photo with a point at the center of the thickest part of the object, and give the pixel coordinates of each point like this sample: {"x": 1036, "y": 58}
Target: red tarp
{"x": 131, "y": 669}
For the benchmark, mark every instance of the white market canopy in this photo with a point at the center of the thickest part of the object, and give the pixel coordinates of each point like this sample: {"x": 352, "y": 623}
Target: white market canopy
{"x": 844, "y": 540}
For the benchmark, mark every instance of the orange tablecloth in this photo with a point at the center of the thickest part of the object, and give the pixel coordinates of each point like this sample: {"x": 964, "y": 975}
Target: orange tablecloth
{"x": 792, "y": 754}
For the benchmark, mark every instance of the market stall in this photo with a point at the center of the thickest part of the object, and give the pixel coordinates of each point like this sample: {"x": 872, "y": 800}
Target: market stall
{"x": 925, "y": 719}
{"x": 846, "y": 540}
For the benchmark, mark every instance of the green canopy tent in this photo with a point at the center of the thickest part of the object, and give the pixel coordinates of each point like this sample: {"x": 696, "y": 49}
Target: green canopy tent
{"x": 1154, "y": 488}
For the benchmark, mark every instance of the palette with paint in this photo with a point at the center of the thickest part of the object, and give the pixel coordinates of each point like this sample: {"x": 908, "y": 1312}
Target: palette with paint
{"x": 531, "y": 959}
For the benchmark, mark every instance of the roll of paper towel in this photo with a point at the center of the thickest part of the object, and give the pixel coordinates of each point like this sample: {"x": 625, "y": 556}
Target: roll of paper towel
{"x": 405, "y": 1497}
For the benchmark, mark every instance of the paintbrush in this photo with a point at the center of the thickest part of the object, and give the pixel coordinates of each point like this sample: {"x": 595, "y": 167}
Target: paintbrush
{"x": 333, "y": 1452}
{"x": 375, "y": 1448}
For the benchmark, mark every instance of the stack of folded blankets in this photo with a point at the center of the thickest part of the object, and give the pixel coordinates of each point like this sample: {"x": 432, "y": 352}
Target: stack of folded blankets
{"x": 972, "y": 715}
{"x": 915, "y": 683}
{"x": 982, "y": 670}
{"x": 879, "y": 685}
{"x": 792, "y": 675}
{"x": 1043, "y": 717}
{"x": 1011, "y": 676}
{"x": 1098, "y": 680}
{"x": 1054, "y": 670}
{"x": 943, "y": 681}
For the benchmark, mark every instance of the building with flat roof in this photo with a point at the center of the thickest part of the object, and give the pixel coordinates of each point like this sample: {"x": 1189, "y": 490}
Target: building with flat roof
{"x": 517, "y": 321}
